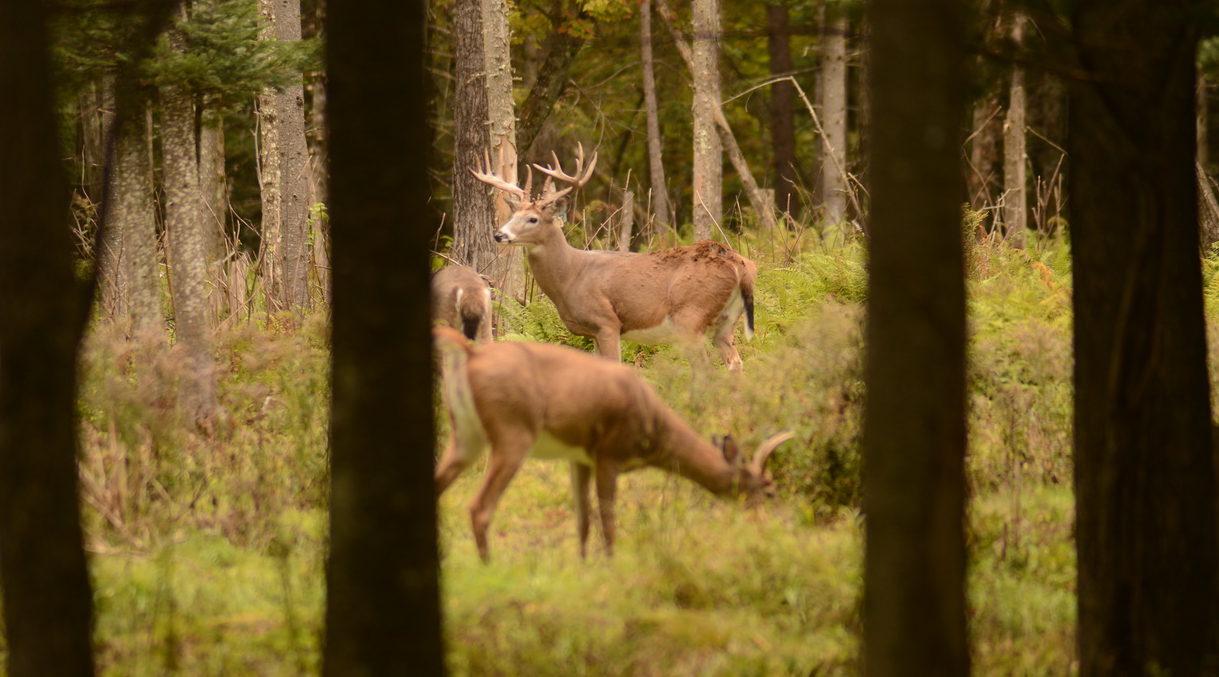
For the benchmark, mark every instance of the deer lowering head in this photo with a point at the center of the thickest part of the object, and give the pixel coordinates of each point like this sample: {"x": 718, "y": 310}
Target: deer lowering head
{"x": 668, "y": 296}
{"x": 461, "y": 298}
{"x": 553, "y": 402}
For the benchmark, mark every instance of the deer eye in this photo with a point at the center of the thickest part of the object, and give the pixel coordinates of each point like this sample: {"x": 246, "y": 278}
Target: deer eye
{"x": 533, "y": 219}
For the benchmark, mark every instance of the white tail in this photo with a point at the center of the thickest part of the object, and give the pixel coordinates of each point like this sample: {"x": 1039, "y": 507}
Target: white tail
{"x": 676, "y": 294}
{"x": 554, "y": 402}
{"x": 461, "y": 298}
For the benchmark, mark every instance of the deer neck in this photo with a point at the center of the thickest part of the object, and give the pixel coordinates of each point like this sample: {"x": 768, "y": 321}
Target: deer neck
{"x": 682, "y": 450}
{"x": 554, "y": 262}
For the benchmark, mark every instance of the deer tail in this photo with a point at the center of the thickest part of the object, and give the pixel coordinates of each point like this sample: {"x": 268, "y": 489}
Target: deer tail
{"x": 748, "y": 275}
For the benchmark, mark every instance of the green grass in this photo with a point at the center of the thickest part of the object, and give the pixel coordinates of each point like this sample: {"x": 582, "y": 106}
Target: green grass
{"x": 208, "y": 554}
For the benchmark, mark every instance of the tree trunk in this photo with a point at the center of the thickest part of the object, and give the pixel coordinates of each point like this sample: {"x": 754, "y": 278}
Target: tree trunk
{"x": 131, "y": 275}
{"x": 96, "y": 102}
{"x": 661, "y": 208}
{"x": 186, "y": 242}
{"x": 1015, "y": 200}
{"x": 382, "y": 579}
{"x": 286, "y": 166}
{"x": 1203, "y": 124}
{"x": 473, "y": 218}
{"x": 914, "y": 433}
{"x": 782, "y": 109}
{"x": 1144, "y": 471}
{"x": 559, "y": 52}
{"x": 708, "y": 150}
{"x": 47, "y": 603}
{"x": 214, "y": 190}
{"x": 507, "y": 272}
{"x": 833, "y": 103}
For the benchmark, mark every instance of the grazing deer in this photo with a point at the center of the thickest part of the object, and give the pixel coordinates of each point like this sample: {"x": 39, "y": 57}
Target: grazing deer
{"x": 671, "y": 295}
{"x": 555, "y": 402}
{"x": 461, "y": 298}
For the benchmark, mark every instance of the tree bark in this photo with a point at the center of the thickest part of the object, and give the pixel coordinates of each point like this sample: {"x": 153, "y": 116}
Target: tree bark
{"x": 782, "y": 109}
{"x": 214, "y": 190}
{"x": 1144, "y": 470}
{"x": 383, "y": 594}
{"x": 507, "y": 271}
{"x": 708, "y": 150}
{"x": 1015, "y": 198}
{"x": 833, "y": 95}
{"x": 47, "y": 602}
{"x": 286, "y": 167}
{"x": 96, "y": 103}
{"x": 473, "y": 217}
{"x": 914, "y": 433}
{"x": 661, "y": 209}
{"x": 186, "y": 241}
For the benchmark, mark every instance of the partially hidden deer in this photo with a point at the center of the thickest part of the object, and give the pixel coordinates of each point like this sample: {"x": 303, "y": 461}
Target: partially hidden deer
{"x": 521, "y": 399}
{"x": 461, "y": 298}
{"x": 673, "y": 295}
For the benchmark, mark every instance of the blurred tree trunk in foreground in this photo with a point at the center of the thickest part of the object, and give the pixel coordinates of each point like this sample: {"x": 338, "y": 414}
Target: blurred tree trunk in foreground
{"x": 914, "y": 434}
{"x": 47, "y": 602}
{"x": 383, "y": 594}
{"x": 1144, "y": 470}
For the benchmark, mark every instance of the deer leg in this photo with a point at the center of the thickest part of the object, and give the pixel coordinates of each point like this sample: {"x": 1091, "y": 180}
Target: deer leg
{"x": 609, "y": 343}
{"x": 450, "y": 466}
{"x": 500, "y": 471}
{"x": 724, "y": 341}
{"x": 607, "y": 485}
{"x": 580, "y": 476}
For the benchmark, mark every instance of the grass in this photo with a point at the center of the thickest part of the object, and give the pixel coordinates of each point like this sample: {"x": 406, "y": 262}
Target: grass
{"x": 207, "y": 555}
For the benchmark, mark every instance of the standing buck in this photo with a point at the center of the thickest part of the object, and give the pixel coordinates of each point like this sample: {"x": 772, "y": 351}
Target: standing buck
{"x": 671, "y": 295}
{"x": 461, "y": 298}
{"x": 555, "y": 402}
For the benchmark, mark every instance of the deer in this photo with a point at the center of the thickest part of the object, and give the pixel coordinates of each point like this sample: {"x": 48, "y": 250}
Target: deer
{"x": 522, "y": 399}
{"x": 461, "y": 298}
{"x": 666, "y": 296}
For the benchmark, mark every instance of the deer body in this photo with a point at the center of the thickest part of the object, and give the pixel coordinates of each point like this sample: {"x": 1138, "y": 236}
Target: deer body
{"x": 673, "y": 295}
{"x": 461, "y": 298}
{"x": 553, "y": 402}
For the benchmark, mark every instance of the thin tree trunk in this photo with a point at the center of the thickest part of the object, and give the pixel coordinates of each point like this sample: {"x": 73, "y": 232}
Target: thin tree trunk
{"x": 47, "y": 602}
{"x": 1144, "y": 470}
{"x": 559, "y": 51}
{"x": 782, "y": 108}
{"x": 270, "y": 170}
{"x": 508, "y": 273}
{"x": 473, "y": 218}
{"x": 96, "y": 113}
{"x": 286, "y": 163}
{"x": 914, "y": 432}
{"x": 984, "y": 151}
{"x": 708, "y": 150}
{"x": 833, "y": 94}
{"x": 660, "y": 193}
{"x": 186, "y": 241}
{"x": 382, "y": 578}
{"x": 214, "y": 189}
{"x": 1015, "y": 199}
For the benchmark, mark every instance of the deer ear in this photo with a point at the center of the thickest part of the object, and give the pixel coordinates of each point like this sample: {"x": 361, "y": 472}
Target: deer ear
{"x": 558, "y": 208}
{"x": 732, "y": 452}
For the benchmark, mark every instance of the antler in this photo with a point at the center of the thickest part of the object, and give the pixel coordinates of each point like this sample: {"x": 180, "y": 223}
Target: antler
{"x": 484, "y": 174}
{"x": 758, "y": 464}
{"x": 576, "y": 180}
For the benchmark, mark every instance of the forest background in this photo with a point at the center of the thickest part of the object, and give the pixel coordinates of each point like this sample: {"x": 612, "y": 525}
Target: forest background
{"x": 198, "y": 157}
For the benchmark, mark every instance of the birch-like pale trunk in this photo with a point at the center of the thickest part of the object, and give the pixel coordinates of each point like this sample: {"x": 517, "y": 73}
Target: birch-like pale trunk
{"x": 214, "y": 190}
{"x": 1015, "y": 196}
{"x": 708, "y": 151}
{"x": 507, "y": 271}
{"x": 833, "y": 94}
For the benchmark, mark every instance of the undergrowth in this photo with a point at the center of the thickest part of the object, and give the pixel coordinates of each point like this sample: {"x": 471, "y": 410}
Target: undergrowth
{"x": 207, "y": 553}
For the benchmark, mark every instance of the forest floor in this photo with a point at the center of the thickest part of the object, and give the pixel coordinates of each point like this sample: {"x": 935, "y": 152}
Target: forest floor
{"x": 207, "y": 554}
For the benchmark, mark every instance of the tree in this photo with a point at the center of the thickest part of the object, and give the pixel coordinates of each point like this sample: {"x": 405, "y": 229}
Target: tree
{"x": 914, "y": 430}
{"x": 285, "y": 162}
{"x": 47, "y": 603}
{"x": 1144, "y": 470}
{"x": 708, "y": 151}
{"x": 559, "y": 51}
{"x": 661, "y": 209}
{"x": 473, "y": 218}
{"x": 507, "y": 271}
{"x": 832, "y": 92}
{"x": 1015, "y": 198}
{"x": 383, "y": 596}
{"x": 782, "y": 102}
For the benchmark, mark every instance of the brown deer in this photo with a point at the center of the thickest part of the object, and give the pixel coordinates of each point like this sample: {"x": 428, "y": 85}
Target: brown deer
{"x": 461, "y": 298}
{"x": 673, "y": 295}
{"x": 554, "y": 402}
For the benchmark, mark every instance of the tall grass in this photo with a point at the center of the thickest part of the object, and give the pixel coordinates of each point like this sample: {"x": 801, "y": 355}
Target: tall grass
{"x": 207, "y": 554}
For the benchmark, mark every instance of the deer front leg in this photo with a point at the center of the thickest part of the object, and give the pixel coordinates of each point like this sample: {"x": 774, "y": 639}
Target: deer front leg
{"x": 609, "y": 343}
{"x": 505, "y": 461}
{"x": 607, "y": 486}
{"x": 580, "y": 476}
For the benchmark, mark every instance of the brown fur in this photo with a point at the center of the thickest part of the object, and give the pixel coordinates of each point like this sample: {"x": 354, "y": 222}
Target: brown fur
{"x": 522, "y": 391}
{"x": 472, "y": 315}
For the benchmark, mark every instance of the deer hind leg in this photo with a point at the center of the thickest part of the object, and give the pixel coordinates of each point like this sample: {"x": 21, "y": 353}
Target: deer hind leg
{"x": 607, "y": 487}
{"x": 609, "y": 343}
{"x": 506, "y": 459}
{"x": 724, "y": 341}
{"x": 580, "y": 476}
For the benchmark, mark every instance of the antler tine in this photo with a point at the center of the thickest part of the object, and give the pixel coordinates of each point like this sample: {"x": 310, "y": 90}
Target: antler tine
{"x": 579, "y": 178}
{"x": 484, "y": 174}
{"x": 528, "y": 182}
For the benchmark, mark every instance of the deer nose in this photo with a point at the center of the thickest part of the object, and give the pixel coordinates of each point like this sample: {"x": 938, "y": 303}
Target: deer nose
{"x": 500, "y": 236}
